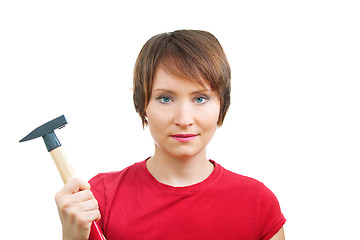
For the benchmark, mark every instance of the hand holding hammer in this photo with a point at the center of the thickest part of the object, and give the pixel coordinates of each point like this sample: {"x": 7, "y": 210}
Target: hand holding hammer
{"x": 77, "y": 206}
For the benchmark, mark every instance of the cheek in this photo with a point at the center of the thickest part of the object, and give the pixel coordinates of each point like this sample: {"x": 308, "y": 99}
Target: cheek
{"x": 157, "y": 120}
{"x": 210, "y": 116}
{"x": 154, "y": 115}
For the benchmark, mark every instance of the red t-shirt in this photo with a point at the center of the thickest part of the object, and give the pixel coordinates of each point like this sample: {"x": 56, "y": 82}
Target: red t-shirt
{"x": 225, "y": 206}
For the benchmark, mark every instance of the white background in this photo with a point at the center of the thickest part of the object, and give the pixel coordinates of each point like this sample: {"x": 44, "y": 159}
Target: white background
{"x": 293, "y": 122}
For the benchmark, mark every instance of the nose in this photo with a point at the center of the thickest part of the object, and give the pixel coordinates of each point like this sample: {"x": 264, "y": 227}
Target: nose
{"x": 184, "y": 116}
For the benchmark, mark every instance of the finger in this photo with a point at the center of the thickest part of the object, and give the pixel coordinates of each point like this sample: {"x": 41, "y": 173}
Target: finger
{"x": 86, "y": 218}
{"x": 67, "y": 194}
{"x": 90, "y": 216}
{"x": 84, "y": 212}
{"x": 82, "y": 196}
{"x": 89, "y": 205}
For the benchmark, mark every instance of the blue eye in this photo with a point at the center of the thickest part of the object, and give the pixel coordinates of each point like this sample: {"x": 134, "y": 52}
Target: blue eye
{"x": 165, "y": 99}
{"x": 200, "y": 99}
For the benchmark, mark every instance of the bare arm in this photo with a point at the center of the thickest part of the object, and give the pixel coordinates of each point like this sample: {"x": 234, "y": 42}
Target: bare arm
{"x": 279, "y": 235}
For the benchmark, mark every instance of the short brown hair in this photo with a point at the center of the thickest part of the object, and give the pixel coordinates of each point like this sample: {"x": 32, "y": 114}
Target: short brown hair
{"x": 188, "y": 54}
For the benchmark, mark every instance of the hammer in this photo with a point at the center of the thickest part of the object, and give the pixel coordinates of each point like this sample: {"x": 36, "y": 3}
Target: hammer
{"x": 46, "y": 131}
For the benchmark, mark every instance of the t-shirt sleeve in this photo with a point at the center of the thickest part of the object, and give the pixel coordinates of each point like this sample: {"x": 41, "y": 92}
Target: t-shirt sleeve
{"x": 98, "y": 189}
{"x": 271, "y": 219}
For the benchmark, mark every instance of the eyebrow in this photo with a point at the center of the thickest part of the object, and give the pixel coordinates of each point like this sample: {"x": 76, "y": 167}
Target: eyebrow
{"x": 170, "y": 91}
{"x": 164, "y": 90}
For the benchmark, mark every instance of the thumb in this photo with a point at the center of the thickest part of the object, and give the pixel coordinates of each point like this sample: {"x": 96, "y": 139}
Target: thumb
{"x": 75, "y": 185}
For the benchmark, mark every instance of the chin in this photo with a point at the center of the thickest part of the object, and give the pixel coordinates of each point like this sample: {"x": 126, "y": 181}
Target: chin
{"x": 185, "y": 154}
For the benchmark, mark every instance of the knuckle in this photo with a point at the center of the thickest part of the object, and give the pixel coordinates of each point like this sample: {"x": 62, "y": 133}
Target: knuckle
{"x": 70, "y": 213}
{"x": 57, "y": 197}
{"x": 60, "y": 195}
{"x": 62, "y": 204}
{"x": 66, "y": 206}
{"x": 82, "y": 221}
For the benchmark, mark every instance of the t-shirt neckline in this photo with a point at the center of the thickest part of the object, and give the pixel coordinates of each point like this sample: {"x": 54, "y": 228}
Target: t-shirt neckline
{"x": 180, "y": 190}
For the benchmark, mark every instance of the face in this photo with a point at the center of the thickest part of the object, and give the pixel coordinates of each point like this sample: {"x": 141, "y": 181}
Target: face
{"x": 182, "y": 116}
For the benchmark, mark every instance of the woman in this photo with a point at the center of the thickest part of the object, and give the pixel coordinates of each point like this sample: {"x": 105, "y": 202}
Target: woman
{"x": 182, "y": 93}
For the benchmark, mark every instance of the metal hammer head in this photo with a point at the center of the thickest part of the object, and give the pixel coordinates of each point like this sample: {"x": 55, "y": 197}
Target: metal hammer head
{"x": 46, "y": 131}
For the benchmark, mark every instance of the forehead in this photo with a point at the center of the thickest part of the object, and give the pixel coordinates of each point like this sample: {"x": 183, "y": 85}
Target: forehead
{"x": 163, "y": 80}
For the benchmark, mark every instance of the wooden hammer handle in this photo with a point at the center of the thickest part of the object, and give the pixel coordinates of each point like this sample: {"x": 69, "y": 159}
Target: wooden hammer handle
{"x": 62, "y": 165}
{"x": 67, "y": 172}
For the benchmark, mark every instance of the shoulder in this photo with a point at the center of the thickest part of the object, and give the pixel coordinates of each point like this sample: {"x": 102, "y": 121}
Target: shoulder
{"x": 110, "y": 178}
{"x": 262, "y": 200}
{"x": 245, "y": 184}
{"x": 237, "y": 179}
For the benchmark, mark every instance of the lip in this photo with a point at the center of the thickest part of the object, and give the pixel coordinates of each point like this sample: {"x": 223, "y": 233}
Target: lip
{"x": 184, "y": 137}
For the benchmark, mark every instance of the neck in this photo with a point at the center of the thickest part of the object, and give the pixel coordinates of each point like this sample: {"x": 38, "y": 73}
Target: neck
{"x": 179, "y": 172}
